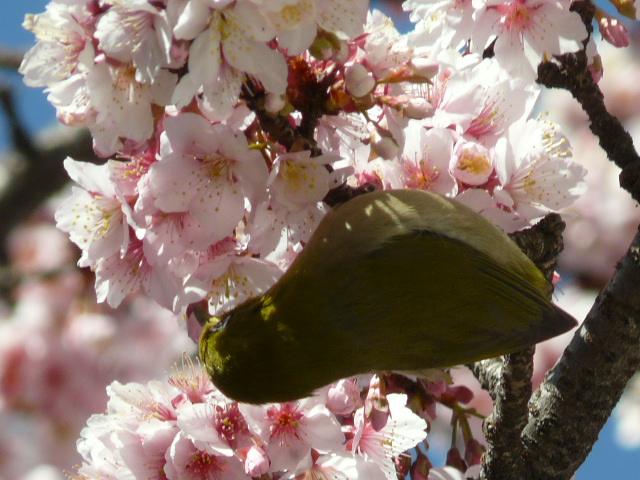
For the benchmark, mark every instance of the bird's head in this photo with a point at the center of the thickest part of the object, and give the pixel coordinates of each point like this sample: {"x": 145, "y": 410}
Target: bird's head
{"x": 245, "y": 354}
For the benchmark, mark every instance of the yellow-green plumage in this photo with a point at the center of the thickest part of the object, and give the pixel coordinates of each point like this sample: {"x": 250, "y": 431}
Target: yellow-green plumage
{"x": 400, "y": 280}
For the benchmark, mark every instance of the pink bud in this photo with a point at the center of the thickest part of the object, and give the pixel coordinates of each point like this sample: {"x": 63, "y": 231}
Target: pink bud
{"x": 385, "y": 146}
{"x": 256, "y": 462}
{"x": 359, "y": 80}
{"x": 461, "y": 393}
{"x": 473, "y": 452}
{"x": 613, "y": 31}
{"x": 342, "y": 397}
{"x": 437, "y": 388}
{"x": 424, "y": 67}
{"x": 420, "y": 468}
{"x": 376, "y": 405}
{"x": 418, "y": 108}
{"x": 454, "y": 459}
{"x": 274, "y": 103}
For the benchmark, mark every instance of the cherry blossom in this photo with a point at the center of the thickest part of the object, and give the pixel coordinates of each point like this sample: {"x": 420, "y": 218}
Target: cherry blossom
{"x": 224, "y": 48}
{"x": 291, "y": 429}
{"x": 94, "y": 215}
{"x": 184, "y": 460}
{"x": 535, "y": 173}
{"x": 403, "y": 430}
{"x": 138, "y": 32}
{"x": 209, "y": 167}
{"x": 424, "y": 162}
{"x": 63, "y": 45}
{"x": 527, "y": 32}
{"x": 233, "y": 127}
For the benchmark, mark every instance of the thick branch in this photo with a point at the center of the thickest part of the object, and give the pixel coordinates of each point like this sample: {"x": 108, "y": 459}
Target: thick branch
{"x": 600, "y": 359}
{"x": 505, "y": 457}
{"x": 604, "y": 353}
{"x": 542, "y": 243}
{"x": 510, "y": 381}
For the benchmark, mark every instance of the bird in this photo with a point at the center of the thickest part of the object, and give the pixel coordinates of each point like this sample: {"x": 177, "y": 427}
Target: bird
{"x": 390, "y": 281}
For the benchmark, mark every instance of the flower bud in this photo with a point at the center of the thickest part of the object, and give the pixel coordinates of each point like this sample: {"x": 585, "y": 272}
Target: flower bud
{"x": 473, "y": 452}
{"x": 359, "y": 80}
{"x": 425, "y": 68}
{"x": 376, "y": 405}
{"x": 420, "y": 468}
{"x": 255, "y": 460}
{"x": 274, "y": 103}
{"x": 613, "y": 31}
{"x": 342, "y": 397}
{"x": 437, "y": 388}
{"x": 454, "y": 459}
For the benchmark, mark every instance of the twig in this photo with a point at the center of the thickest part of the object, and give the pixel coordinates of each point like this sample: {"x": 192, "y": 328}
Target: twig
{"x": 21, "y": 139}
{"x": 572, "y": 75}
{"x": 11, "y": 58}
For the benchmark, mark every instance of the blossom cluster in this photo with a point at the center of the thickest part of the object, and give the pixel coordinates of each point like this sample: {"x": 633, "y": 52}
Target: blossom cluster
{"x": 187, "y": 429}
{"x": 231, "y": 128}
{"x": 59, "y": 349}
{"x": 233, "y": 122}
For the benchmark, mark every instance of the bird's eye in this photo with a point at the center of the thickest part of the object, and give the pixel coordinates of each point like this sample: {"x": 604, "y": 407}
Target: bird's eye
{"x": 222, "y": 323}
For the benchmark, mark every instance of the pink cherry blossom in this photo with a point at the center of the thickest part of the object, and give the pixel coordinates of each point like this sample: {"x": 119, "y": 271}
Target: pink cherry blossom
{"x": 224, "y": 50}
{"x": 63, "y": 45}
{"x": 528, "y": 32}
{"x": 184, "y": 460}
{"x": 122, "y": 274}
{"x": 291, "y": 429}
{"x": 124, "y": 105}
{"x": 94, "y": 215}
{"x": 404, "y": 429}
{"x": 208, "y": 173}
{"x": 424, "y": 162}
{"x": 535, "y": 173}
{"x": 138, "y": 32}
{"x": 445, "y": 22}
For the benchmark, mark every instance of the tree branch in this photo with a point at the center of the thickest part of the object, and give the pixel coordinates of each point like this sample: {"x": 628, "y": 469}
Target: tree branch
{"x": 509, "y": 382}
{"x": 600, "y": 359}
{"x": 504, "y": 458}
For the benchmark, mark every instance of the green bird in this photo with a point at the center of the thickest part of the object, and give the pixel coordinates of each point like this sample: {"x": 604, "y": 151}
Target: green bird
{"x": 397, "y": 280}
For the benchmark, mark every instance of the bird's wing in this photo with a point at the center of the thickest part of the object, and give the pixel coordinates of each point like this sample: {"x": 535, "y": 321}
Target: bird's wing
{"x": 423, "y": 300}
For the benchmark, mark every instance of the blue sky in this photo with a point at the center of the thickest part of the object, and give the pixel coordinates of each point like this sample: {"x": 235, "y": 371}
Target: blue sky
{"x": 607, "y": 460}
